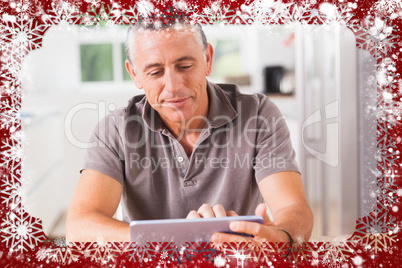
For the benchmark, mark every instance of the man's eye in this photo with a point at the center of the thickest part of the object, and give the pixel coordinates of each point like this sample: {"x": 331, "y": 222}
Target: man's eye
{"x": 185, "y": 67}
{"x": 155, "y": 73}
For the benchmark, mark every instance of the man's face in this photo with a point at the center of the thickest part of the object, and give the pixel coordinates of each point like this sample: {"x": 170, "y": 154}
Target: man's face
{"x": 171, "y": 69}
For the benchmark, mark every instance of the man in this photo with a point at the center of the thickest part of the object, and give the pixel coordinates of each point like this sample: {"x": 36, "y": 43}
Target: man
{"x": 188, "y": 148}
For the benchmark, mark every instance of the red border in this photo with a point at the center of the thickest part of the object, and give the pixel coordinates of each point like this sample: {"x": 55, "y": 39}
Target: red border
{"x": 32, "y": 258}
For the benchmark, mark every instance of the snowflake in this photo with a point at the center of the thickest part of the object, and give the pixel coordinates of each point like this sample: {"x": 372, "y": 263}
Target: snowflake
{"x": 265, "y": 11}
{"x": 386, "y": 75}
{"x": 105, "y": 15}
{"x": 220, "y": 261}
{"x": 136, "y": 13}
{"x": 9, "y": 114}
{"x": 397, "y": 112}
{"x": 98, "y": 16}
{"x": 131, "y": 15}
{"x": 341, "y": 14}
{"x": 42, "y": 254}
{"x": 150, "y": 249}
{"x": 164, "y": 255}
{"x": 22, "y": 7}
{"x": 11, "y": 67}
{"x": 172, "y": 253}
{"x": 143, "y": 252}
{"x": 65, "y": 255}
{"x": 10, "y": 84}
{"x": 11, "y": 152}
{"x": 163, "y": 260}
{"x": 336, "y": 252}
{"x": 387, "y": 191}
{"x": 298, "y": 14}
{"x": 376, "y": 36}
{"x": 201, "y": 248}
{"x": 93, "y": 2}
{"x": 105, "y": 252}
{"x": 117, "y": 14}
{"x": 385, "y": 111}
{"x": 358, "y": 260}
{"x": 378, "y": 225}
{"x": 188, "y": 252}
{"x": 21, "y": 231}
{"x": 18, "y": 37}
{"x": 145, "y": 8}
{"x": 61, "y": 14}
{"x": 241, "y": 251}
{"x": 389, "y": 8}
{"x": 264, "y": 252}
{"x": 298, "y": 252}
{"x": 22, "y": 36}
{"x": 378, "y": 241}
{"x": 215, "y": 14}
{"x": 386, "y": 151}
{"x": 182, "y": 5}
{"x": 11, "y": 190}
{"x": 400, "y": 86}
{"x": 60, "y": 242}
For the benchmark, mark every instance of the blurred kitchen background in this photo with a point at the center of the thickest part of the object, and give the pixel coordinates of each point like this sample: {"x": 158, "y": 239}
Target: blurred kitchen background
{"x": 320, "y": 81}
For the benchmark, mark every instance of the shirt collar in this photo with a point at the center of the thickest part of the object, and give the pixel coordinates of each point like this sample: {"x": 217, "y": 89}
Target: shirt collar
{"x": 151, "y": 117}
{"x": 220, "y": 111}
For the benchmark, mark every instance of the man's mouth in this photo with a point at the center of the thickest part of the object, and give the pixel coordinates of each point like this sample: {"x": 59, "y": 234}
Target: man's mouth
{"x": 178, "y": 103}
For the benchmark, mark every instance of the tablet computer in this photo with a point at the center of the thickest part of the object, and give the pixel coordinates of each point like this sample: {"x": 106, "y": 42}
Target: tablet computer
{"x": 180, "y": 231}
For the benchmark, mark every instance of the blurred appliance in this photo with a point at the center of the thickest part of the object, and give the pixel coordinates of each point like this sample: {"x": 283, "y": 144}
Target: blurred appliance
{"x": 278, "y": 80}
{"x": 337, "y": 130}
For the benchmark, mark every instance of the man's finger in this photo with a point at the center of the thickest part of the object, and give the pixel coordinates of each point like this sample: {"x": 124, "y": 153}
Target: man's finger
{"x": 247, "y": 227}
{"x": 205, "y": 211}
{"x": 193, "y": 215}
{"x": 261, "y": 210}
{"x": 268, "y": 233}
{"x": 219, "y": 211}
{"x": 222, "y": 237}
{"x": 231, "y": 213}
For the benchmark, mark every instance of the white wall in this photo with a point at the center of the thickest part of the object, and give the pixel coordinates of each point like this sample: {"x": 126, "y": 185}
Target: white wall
{"x": 52, "y": 87}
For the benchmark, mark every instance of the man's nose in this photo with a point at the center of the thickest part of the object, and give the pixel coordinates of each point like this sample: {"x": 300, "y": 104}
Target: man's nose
{"x": 172, "y": 81}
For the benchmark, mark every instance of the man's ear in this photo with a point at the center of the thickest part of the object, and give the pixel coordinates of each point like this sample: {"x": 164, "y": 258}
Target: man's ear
{"x": 133, "y": 75}
{"x": 209, "y": 54}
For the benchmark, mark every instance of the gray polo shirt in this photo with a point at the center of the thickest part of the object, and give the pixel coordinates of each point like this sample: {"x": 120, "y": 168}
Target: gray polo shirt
{"x": 245, "y": 140}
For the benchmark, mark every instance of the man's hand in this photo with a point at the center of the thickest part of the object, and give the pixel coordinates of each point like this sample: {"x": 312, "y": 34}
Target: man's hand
{"x": 266, "y": 232}
{"x": 284, "y": 194}
{"x": 206, "y": 211}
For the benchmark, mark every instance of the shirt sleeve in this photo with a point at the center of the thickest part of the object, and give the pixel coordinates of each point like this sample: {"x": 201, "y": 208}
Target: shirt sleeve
{"x": 105, "y": 153}
{"x": 274, "y": 151}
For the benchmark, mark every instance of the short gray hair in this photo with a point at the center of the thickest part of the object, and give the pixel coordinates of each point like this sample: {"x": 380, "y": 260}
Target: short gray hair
{"x": 159, "y": 25}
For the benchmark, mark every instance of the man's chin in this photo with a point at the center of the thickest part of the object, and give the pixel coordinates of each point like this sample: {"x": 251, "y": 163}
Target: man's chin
{"x": 176, "y": 117}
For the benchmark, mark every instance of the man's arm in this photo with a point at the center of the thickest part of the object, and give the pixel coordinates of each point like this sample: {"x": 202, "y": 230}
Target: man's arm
{"x": 284, "y": 194}
{"x": 95, "y": 200}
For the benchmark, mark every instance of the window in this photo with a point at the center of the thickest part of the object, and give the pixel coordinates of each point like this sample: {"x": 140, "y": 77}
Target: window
{"x": 96, "y": 62}
{"x": 103, "y": 62}
{"x": 227, "y": 58}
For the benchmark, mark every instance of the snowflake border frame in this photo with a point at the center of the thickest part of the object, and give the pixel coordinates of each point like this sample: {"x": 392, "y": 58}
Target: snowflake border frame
{"x": 215, "y": 13}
